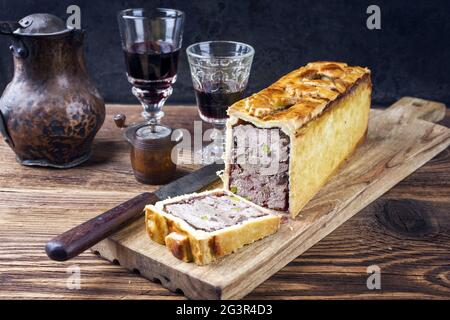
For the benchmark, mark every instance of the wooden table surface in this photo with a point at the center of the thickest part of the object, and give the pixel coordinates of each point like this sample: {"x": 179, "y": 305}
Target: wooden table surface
{"x": 406, "y": 232}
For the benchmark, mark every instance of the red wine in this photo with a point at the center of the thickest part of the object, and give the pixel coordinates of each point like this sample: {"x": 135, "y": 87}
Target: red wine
{"x": 152, "y": 67}
{"x": 151, "y": 60}
{"x": 215, "y": 98}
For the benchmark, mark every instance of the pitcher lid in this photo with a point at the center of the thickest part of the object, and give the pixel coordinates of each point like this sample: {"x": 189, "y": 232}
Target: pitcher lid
{"x": 41, "y": 24}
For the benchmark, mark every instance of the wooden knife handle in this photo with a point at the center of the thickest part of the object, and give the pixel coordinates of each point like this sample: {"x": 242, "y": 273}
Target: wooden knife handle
{"x": 71, "y": 243}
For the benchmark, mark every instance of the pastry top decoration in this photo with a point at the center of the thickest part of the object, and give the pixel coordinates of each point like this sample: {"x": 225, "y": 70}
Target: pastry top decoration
{"x": 301, "y": 94}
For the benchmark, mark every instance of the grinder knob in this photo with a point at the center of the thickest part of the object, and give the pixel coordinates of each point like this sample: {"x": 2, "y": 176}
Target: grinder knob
{"x": 119, "y": 120}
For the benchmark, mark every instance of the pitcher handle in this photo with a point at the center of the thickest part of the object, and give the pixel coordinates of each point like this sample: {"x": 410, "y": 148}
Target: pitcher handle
{"x": 8, "y": 27}
{"x": 4, "y": 129}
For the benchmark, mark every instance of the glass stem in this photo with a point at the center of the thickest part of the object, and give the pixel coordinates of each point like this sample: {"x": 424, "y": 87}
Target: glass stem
{"x": 218, "y": 135}
{"x": 152, "y": 100}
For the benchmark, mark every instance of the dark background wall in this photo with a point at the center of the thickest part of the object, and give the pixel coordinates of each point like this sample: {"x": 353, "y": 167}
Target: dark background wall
{"x": 410, "y": 55}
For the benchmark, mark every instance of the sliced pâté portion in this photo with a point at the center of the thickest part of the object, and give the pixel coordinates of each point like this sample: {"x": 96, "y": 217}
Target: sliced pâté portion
{"x": 202, "y": 227}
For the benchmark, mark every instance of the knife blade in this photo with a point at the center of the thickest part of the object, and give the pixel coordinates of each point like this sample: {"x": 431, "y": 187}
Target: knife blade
{"x": 76, "y": 240}
{"x": 189, "y": 183}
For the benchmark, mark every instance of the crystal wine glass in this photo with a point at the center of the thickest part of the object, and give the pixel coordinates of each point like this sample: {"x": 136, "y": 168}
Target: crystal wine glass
{"x": 151, "y": 41}
{"x": 220, "y": 71}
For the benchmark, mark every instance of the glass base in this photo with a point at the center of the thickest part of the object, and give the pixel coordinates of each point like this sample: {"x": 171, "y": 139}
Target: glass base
{"x": 213, "y": 153}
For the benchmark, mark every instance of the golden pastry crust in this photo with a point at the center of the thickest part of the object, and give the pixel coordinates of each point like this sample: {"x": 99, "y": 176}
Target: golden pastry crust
{"x": 322, "y": 146}
{"x": 323, "y": 108}
{"x": 189, "y": 244}
{"x": 299, "y": 96}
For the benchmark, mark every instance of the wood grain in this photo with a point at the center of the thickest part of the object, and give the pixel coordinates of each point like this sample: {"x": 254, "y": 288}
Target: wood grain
{"x": 391, "y": 152}
{"x": 37, "y": 204}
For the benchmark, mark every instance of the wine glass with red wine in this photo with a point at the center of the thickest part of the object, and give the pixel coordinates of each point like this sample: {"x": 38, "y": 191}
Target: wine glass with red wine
{"x": 151, "y": 41}
{"x": 220, "y": 71}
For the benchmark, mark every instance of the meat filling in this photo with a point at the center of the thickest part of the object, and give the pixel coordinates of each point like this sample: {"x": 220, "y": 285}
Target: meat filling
{"x": 260, "y": 166}
{"x": 213, "y": 212}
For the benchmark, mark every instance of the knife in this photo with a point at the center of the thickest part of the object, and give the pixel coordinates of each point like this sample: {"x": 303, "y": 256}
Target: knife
{"x": 73, "y": 242}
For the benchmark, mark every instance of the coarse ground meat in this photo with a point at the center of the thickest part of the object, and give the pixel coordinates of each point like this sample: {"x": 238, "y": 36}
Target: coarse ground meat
{"x": 266, "y": 148}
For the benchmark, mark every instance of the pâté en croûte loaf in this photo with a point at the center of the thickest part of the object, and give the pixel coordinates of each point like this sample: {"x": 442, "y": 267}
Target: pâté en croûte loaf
{"x": 320, "y": 113}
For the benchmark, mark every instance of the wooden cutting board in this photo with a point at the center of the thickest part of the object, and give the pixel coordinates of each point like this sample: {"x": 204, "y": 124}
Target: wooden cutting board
{"x": 400, "y": 139}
